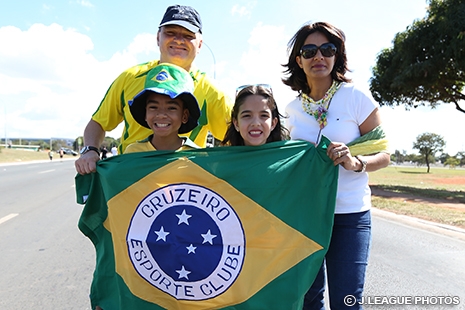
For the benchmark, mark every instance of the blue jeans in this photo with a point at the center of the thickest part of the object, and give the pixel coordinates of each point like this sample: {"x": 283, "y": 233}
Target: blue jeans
{"x": 345, "y": 262}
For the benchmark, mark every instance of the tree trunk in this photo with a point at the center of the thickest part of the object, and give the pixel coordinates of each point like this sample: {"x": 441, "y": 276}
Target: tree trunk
{"x": 427, "y": 164}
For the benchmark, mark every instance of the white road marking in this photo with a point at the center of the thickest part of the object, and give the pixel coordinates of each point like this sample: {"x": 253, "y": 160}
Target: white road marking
{"x": 47, "y": 171}
{"x": 8, "y": 217}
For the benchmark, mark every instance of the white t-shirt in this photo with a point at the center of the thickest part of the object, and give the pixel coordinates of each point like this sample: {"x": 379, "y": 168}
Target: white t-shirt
{"x": 349, "y": 108}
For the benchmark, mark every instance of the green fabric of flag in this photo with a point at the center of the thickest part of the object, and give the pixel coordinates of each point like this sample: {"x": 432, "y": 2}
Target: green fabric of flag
{"x": 217, "y": 228}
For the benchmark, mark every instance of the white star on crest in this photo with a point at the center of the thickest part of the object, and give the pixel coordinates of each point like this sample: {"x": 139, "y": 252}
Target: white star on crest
{"x": 208, "y": 237}
{"x": 191, "y": 249}
{"x": 183, "y": 273}
{"x": 161, "y": 234}
{"x": 183, "y": 217}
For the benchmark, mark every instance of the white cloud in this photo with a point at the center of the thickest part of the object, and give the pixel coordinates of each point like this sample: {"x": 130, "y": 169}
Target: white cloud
{"x": 42, "y": 53}
{"x": 85, "y": 3}
{"x": 51, "y": 82}
{"x": 144, "y": 43}
{"x": 46, "y": 7}
{"x": 243, "y": 11}
{"x": 262, "y": 62}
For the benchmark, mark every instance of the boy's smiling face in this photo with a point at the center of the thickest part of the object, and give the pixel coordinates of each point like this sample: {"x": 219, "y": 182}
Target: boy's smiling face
{"x": 165, "y": 115}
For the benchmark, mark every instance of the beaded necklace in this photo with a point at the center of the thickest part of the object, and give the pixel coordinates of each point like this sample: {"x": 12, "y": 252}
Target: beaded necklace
{"x": 319, "y": 109}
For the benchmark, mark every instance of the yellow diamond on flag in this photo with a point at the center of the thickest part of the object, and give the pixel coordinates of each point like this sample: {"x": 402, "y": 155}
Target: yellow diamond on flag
{"x": 186, "y": 239}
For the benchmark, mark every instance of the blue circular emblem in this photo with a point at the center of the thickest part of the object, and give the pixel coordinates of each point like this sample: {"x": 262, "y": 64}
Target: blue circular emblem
{"x": 187, "y": 241}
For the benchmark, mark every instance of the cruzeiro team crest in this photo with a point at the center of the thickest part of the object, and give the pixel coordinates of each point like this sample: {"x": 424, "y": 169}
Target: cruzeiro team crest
{"x": 187, "y": 241}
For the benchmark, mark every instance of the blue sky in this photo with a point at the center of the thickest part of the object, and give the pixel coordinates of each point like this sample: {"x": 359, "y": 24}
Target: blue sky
{"x": 57, "y": 58}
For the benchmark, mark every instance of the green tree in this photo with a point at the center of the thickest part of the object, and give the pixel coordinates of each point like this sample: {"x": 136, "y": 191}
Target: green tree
{"x": 43, "y": 144}
{"x": 461, "y": 156}
{"x": 108, "y": 142}
{"x": 428, "y": 144}
{"x": 411, "y": 158}
{"x": 78, "y": 143}
{"x": 398, "y": 157}
{"x": 452, "y": 162}
{"x": 427, "y": 61}
{"x": 443, "y": 157}
{"x": 56, "y": 144}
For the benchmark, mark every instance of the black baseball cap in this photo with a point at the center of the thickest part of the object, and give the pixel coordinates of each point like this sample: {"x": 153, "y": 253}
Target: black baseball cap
{"x": 184, "y": 16}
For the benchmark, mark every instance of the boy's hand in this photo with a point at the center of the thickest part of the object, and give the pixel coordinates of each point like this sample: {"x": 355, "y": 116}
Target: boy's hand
{"x": 87, "y": 163}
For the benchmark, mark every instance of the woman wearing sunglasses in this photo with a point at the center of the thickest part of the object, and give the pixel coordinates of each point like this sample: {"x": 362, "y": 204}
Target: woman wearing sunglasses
{"x": 328, "y": 104}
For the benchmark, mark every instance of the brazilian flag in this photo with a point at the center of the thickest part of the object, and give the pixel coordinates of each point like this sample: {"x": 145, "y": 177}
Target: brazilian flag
{"x": 218, "y": 228}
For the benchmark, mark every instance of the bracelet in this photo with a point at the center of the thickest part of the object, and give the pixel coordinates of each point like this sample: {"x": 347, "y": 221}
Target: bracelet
{"x": 364, "y": 164}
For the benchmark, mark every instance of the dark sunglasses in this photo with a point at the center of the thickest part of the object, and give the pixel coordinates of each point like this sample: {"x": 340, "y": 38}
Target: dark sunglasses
{"x": 266, "y": 86}
{"x": 310, "y": 50}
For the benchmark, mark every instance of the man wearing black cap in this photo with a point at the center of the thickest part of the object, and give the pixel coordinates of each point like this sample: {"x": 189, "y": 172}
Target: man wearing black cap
{"x": 179, "y": 38}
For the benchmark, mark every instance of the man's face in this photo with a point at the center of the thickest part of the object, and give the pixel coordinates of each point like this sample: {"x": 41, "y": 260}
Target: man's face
{"x": 178, "y": 45}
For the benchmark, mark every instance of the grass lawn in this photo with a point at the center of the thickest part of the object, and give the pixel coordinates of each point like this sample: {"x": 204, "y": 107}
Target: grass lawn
{"x": 14, "y": 156}
{"x": 438, "y": 196}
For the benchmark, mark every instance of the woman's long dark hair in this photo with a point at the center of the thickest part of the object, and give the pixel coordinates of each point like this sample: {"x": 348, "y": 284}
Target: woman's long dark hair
{"x": 296, "y": 76}
{"x": 233, "y": 137}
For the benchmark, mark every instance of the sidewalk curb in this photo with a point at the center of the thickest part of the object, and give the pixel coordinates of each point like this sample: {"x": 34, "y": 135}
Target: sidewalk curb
{"x": 452, "y": 231}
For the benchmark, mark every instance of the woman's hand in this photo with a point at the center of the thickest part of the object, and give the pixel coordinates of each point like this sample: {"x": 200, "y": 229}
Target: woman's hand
{"x": 340, "y": 154}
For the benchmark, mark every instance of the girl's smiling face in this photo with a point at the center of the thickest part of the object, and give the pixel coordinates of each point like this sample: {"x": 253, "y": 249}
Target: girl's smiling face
{"x": 254, "y": 121}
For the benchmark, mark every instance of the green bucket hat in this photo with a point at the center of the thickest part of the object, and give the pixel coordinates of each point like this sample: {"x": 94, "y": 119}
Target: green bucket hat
{"x": 173, "y": 81}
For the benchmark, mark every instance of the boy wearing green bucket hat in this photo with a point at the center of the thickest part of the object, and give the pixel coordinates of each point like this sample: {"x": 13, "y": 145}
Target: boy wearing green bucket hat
{"x": 168, "y": 107}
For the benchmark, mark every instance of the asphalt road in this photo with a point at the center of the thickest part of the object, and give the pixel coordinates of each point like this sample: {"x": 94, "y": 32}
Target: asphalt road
{"x": 46, "y": 263}
{"x": 414, "y": 260}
